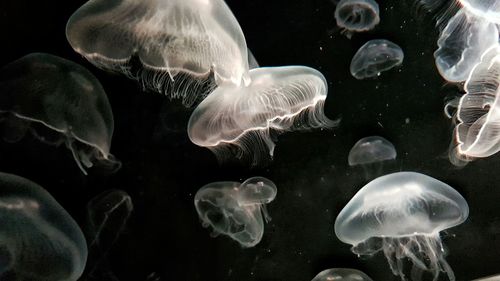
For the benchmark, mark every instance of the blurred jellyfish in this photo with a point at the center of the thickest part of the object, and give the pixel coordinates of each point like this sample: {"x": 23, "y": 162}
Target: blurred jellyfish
{"x": 176, "y": 47}
{"x": 235, "y": 209}
{"x": 279, "y": 99}
{"x": 477, "y": 133}
{"x": 341, "y": 274}
{"x": 39, "y": 239}
{"x": 402, "y": 214}
{"x": 374, "y": 57}
{"x": 59, "y": 102}
{"x": 252, "y": 61}
{"x": 370, "y": 153}
{"x": 489, "y": 278}
{"x": 486, "y": 9}
{"x": 357, "y": 15}
{"x": 461, "y": 44}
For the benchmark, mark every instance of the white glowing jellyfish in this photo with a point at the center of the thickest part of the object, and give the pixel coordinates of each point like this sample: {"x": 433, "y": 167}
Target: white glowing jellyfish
{"x": 39, "y": 240}
{"x": 279, "y": 99}
{"x": 341, "y": 274}
{"x": 401, "y": 214}
{"x": 374, "y": 57}
{"x": 235, "y": 209}
{"x": 357, "y": 15}
{"x": 486, "y": 9}
{"x": 370, "y": 153}
{"x": 58, "y": 101}
{"x": 179, "y": 46}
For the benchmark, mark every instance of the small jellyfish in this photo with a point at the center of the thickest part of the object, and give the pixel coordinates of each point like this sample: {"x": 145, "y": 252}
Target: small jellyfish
{"x": 486, "y": 9}
{"x": 176, "y": 47}
{"x": 39, "y": 239}
{"x": 241, "y": 120}
{"x": 357, "y": 15}
{"x": 235, "y": 209}
{"x": 402, "y": 214}
{"x": 59, "y": 102}
{"x": 370, "y": 153}
{"x": 341, "y": 274}
{"x": 461, "y": 44}
{"x": 374, "y": 57}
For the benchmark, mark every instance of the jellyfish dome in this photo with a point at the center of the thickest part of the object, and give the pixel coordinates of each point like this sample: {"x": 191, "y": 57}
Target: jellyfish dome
{"x": 371, "y": 149}
{"x": 58, "y": 101}
{"x": 486, "y": 9}
{"x": 341, "y": 274}
{"x": 278, "y": 99}
{"x": 357, "y": 15}
{"x": 39, "y": 239}
{"x": 402, "y": 214}
{"x": 179, "y": 44}
{"x": 235, "y": 209}
{"x": 374, "y": 57}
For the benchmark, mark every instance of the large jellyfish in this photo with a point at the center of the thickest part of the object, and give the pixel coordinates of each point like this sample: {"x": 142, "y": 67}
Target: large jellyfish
{"x": 370, "y": 153}
{"x": 39, "y": 239}
{"x": 175, "y": 47}
{"x": 477, "y": 133}
{"x": 374, "y": 57}
{"x": 487, "y": 9}
{"x": 235, "y": 209}
{"x": 278, "y": 99}
{"x": 59, "y": 102}
{"x": 402, "y": 214}
{"x": 357, "y": 15}
{"x": 341, "y": 274}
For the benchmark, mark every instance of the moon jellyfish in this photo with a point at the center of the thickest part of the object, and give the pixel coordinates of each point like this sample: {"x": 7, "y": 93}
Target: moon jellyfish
{"x": 357, "y": 15}
{"x": 179, "y": 48}
{"x": 487, "y": 9}
{"x": 341, "y": 274}
{"x": 461, "y": 44}
{"x": 374, "y": 57}
{"x": 235, "y": 209}
{"x": 39, "y": 239}
{"x": 243, "y": 119}
{"x": 370, "y": 153}
{"x": 59, "y": 102}
{"x": 402, "y": 214}
{"x": 489, "y": 278}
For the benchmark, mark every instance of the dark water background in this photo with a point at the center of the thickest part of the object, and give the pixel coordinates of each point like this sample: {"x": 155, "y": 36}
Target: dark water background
{"x": 162, "y": 169}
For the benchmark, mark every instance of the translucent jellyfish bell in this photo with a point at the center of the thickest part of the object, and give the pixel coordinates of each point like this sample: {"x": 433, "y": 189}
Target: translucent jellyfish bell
{"x": 180, "y": 44}
{"x": 357, "y": 15}
{"x": 278, "y": 99}
{"x": 39, "y": 239}
{"x": 235, "y": 209}
{"x": 402, "y": 214}
{"x": 341, "y": 274}
{"x": 374, "y": 57}
{"x": 58, "y": 101}
{"x": 486, "y": 9}
{"x": 370, "y": 153}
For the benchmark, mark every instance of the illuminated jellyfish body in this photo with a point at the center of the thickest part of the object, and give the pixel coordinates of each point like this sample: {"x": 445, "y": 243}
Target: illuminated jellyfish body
{"x": 374, "y": 57}
{"x": 477, "y": 133}
{"x": 242, "y": 119}
{"x": 402, "y": 214}
{"x": 461, "y": 44}
{"x": 235, "y": 209}
{"x": 58, "y": 101}
{"x": 489, "y": 278}
{"x": 370, "y": 153}
{"x": 180, "y": 47}
{"x": 357, "y": 15}
{"x": 39, "y": 239}
{"x": 341, "y": 274}
{"x": 486, "y": 9}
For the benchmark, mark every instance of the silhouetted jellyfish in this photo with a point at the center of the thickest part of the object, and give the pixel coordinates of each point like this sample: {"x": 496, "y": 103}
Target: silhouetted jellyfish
{"x": 402, "y": 214}
{"x": 370, "y": 153}
{"x": 374, "y": 57}
{"x": 59, "y": 102}
{"x": 461, "y": 44}
{"x": 39, "y": 239}
{"x": 486, "y": 9}
{"x": 357, "y": 15}
{"x": 235, "y": 209}
{"x": 341, "y": 274}
{"x": 279, "y": 99}
{"x": 176, "y": 47}
{"x": 477, "y": 133}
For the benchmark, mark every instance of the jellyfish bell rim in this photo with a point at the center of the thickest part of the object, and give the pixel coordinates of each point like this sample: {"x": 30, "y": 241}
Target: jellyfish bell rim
{"x": 335, "y": 270}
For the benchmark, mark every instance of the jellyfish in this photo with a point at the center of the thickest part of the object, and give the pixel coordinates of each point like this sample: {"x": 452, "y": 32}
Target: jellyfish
{"x": 181, "y": 48}
{"x": 357, "y": 15}
{"x": 489, "y": 278}
{"x": 486, "y": 9}
{"x": 477, "y": 133}
{"x": 59, "y": 102}
{"x": 370, "y": 153}
{"x": 236, "y": 209}
{"x": 374, "y": 57}
{"x": 241, "y": 120}
{"x": 461, "y": 44}
{"x": 401, "y": 214}
{"x": 39, "y": 239}
{"x": 341, "y": 274}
